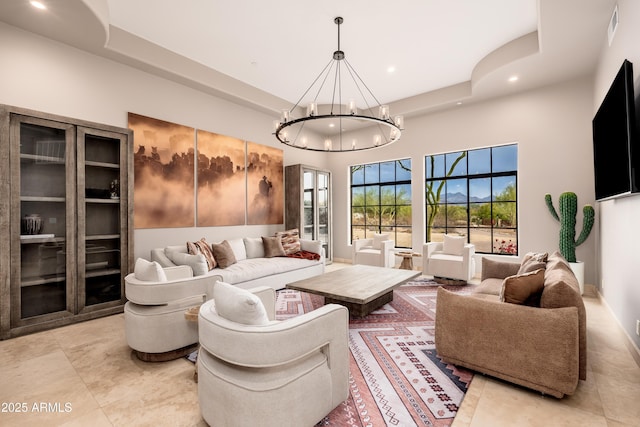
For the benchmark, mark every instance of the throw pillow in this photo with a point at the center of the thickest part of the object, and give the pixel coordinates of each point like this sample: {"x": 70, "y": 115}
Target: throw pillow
{"x": 272, "y": 247}
{"x": 198, "y": 262}
{"x": 453, "y": 245}
{"x": 223, "y": 254}
{"x": 290, "y": 240}
{"x": 533, "y": 261}
{"x": 239, "y": 251}
{"x": 378, "y": 239}
{"x": 523, "y": 288}
{"x": 202, "y": 247}
{"x": 254, "y": 247}
{"x": 149, "y": 271}
{"x": 239, "y": 305}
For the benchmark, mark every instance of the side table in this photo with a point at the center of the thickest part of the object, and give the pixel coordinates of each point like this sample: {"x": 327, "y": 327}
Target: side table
{"x": 191, "y": 315}
{"x": 407, "y": 259}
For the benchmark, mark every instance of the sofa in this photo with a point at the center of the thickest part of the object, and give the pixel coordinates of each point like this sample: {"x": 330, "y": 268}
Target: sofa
{"x": 253, "y": 265}
{"x": 161, "y": 291}
{"x": 525, "y": 323}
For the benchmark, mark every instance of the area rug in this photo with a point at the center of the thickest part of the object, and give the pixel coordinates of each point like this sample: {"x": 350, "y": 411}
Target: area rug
{"x": 396, "y": 377}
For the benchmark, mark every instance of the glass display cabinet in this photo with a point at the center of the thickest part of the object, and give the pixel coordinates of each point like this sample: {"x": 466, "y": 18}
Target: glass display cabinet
{"x": 308, "y": 204}
{"x": 65, "y": 200}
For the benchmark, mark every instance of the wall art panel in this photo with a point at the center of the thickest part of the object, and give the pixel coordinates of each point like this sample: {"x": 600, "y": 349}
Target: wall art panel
{"x": 221, "y": 195}
{"x": 164, "y": 173}
{"x": 265, "y": 193}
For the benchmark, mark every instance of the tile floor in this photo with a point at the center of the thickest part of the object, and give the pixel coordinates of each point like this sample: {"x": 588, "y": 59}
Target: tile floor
{"x": 85, "y": 374}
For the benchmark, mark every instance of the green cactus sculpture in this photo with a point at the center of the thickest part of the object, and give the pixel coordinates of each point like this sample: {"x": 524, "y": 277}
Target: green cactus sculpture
{"x": 568, "y": 208}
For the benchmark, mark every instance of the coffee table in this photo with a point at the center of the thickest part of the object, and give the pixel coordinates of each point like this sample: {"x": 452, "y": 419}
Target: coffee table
{"x": 360, "y": 288}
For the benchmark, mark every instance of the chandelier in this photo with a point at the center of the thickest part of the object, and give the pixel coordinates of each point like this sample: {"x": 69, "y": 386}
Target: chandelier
{"x": 357, "y": 124}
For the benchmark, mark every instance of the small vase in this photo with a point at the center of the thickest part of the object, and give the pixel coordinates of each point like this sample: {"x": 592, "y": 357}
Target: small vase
{"x": 32, "y": 224}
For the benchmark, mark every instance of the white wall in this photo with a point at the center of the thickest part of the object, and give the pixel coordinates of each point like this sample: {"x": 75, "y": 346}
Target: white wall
{"x": 43, "y": 75}
{"x": 552, "y": 127}
{"x": 619, "y": 230}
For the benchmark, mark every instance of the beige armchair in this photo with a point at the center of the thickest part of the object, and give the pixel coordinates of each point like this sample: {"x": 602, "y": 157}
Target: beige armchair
{"x": 155, "y": 324}
{"x": 270, "y": 373}
{"x": 376, "y": 251}
{"x": 451, "y": 259}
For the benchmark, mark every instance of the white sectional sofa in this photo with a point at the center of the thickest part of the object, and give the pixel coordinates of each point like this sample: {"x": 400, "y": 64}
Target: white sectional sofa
{"x": 252, "y": 268}
{"x": 155, "y": 322}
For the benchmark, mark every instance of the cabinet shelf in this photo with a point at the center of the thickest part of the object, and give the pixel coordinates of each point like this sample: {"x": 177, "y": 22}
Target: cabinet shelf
{"x": 41, "y": 280}
{"x": 42, "y": 159}
{"x": 102, "y": 164}
{"x": 103, "y": 237}
{"x": 102, "y": 272}
{"x": 42, "y": 199}
{"x": 103, "y": 201}
{"x": 39, "y": 239}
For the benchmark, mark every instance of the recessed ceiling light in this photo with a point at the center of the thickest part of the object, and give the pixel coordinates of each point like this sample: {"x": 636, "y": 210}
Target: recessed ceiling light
{"x": 459, "y": 103}
{"x": 37, "y": 4}
{"x": 331, "y": 125}
{"x": 513, "y": 78}
{"x": 391, "y": 69}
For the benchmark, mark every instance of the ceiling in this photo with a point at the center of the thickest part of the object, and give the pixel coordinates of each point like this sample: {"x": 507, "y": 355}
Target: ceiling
{"x": 266, "y": 54}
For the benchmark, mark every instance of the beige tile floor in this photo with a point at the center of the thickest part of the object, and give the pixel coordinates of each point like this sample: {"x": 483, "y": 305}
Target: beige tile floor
{"x": 85, "y": 374}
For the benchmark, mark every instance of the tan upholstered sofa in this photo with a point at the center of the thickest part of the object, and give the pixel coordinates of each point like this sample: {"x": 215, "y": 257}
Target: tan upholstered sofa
{"x": 542, "y": 346}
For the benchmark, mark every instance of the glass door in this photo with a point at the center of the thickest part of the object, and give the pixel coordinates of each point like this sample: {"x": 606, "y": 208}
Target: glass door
{"x": 309, "y": 206}
{"x": 100, "y": 215}
{"x": 42, "y": 243}
{"x": 324, "y": 213}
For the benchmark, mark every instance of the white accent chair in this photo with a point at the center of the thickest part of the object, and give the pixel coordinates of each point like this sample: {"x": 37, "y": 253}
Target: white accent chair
{"x": 451, "y": 259}
{"x": 270, "y": 373}
{"x": 155, "y": 324}
{"x": 376, "y": 251}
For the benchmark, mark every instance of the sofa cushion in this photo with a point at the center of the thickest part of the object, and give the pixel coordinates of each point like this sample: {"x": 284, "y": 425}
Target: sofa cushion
{"x": 223, "y": 254}
{"x": 272, "y": 247}
{"x": 238, "y": 248}
{"x": 198, "y": 262}
{"x": 498, "y": 269}
{"x": 290, "y": 240}
{"x": 378, "y": 238}
{"x": 149, "y": 271}
{"x": 202, "y": 247}
{"x": 532, "y": 261}
{"x": 254, "y": 247}
{"x": 523, "y": 288}
{"x": 255, "y": 268}
{"x": 453, "y": 245}
{"x": 238, "y": 305}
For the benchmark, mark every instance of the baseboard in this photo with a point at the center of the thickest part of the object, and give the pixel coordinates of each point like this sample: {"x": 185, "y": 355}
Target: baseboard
{"x": 631, "y": 345}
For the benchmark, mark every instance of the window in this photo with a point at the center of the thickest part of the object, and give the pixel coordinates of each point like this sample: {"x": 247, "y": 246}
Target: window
{"x": 474, "y": 193}
{"x": 381, "y": 201}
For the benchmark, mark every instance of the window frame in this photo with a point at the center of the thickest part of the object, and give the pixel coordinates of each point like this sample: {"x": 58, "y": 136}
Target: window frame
{"x": 377, "y": 225}
{"x": 498, "y": 245}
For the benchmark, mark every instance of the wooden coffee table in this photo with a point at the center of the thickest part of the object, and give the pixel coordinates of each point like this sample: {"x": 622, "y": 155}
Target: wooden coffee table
{"x": 360, "y": 288}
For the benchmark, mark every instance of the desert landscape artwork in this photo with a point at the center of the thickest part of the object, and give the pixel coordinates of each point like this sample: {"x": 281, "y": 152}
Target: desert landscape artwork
{"x": 164, "y": 173}
{"x": 265, "y": 192}
{"x": 221, "y": 195}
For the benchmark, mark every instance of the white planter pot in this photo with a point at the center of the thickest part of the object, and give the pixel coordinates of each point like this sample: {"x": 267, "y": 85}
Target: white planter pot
{"x": 578, "y": 271}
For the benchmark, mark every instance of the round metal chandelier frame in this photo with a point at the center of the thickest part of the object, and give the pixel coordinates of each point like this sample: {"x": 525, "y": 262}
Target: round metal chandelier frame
{"x": 291, "y": 131}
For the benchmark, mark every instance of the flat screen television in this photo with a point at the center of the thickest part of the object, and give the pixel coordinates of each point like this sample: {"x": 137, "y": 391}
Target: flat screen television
{"x": 616, "y": 154}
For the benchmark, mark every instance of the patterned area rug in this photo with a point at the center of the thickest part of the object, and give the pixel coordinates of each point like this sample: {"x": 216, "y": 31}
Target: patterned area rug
{"x": 396, "y": 377}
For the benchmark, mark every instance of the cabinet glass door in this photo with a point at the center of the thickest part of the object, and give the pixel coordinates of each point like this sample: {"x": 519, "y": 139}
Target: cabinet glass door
{"x": 100, "y": 169}
{"x": 323, "y": 211}
{"x": 308, "y": 199}
{"x": 42, "y": 159}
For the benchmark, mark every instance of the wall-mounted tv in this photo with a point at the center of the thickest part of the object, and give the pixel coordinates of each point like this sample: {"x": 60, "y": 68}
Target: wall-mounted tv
{"x": 616, "y": 153}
